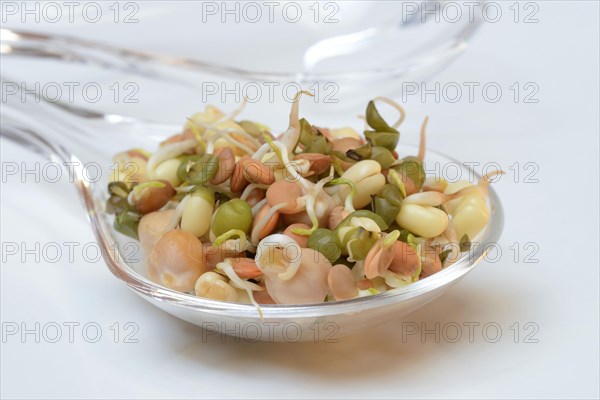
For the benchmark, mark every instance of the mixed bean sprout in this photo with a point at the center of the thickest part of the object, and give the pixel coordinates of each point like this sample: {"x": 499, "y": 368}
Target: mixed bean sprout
{"x": 228, "y": 211}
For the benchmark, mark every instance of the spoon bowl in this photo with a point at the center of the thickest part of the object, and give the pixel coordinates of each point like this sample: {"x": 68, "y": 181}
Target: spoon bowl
{"x": 91, "y": 139}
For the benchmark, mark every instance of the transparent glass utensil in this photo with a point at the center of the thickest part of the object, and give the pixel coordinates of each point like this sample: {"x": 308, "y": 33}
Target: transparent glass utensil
{"x": 351, "y": 39}
{"x": 71, "y": 137}
{"x": 355, "y": 57}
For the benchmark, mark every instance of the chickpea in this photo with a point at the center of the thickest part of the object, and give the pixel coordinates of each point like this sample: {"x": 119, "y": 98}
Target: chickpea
{"x": 151, "y": 228}
{"x": 167, "y": 171}
{"x": 309, "y": 284}
{"x": 214, "y": 286}
{"x": 177, "y": 260}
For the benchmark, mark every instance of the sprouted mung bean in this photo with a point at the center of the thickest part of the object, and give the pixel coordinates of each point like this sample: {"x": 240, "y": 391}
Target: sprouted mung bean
{"x": 228, "y": 211}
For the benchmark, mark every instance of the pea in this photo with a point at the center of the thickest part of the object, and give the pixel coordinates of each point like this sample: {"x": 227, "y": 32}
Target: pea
{"x": 197, "y": 211}
{"x": 235, "y": 214}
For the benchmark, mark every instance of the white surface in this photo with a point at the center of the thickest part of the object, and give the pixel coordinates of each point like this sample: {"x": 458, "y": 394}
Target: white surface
{"x": 559, "y": 293}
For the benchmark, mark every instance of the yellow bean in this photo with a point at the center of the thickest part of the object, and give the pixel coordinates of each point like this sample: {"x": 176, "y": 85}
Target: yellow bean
{"x": 452, "y": 188}
{"x": 367, "y": 188}
{"x": 197, "y": 212}
{"x": 471, "y": 216}
{"x": 368, "y": 180}
{"x": 425, "y": 221}
{"x": 214, "y": 286}
{"x": 167, "y": 170}
{"x": 361, "y": 170}
{"x": 470, "y": 213}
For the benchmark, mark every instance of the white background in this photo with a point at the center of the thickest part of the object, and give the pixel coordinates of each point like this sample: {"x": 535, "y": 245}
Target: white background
{"x": 558, "y": 294}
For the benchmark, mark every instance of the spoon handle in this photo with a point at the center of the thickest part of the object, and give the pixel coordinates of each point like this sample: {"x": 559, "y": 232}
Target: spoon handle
{"x": 68, "y": 130}
{"x": 51, "y": 132}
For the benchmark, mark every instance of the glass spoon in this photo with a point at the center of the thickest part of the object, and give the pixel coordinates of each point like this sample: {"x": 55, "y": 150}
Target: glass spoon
{"x": 63, "y": 135}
